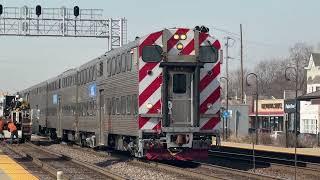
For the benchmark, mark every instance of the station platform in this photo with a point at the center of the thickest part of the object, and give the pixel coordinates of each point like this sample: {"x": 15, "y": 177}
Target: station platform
{"x": 11, "y": 170}
{"x": 301, "y": 151}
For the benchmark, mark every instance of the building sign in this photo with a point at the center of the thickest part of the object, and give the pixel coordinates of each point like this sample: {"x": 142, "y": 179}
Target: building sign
{"x": 55, "y": 99}
{"x": 290, "y": 106}
{"x": 270, "y": 106}
{"x": 92, "y": 90}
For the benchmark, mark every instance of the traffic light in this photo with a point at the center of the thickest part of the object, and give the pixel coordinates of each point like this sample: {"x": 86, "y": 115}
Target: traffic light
{"x": 76, "y": 11}
{"x": 38, "y": 10}
{"x": 1, "y": 9}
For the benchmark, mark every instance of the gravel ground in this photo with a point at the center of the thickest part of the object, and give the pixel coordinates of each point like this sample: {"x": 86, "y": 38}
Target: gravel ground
{"x": 286, "y": 173}
{"x": 119, "y": 166}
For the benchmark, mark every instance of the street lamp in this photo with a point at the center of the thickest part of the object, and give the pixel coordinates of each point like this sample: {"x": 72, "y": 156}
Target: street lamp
{"x": 227, "y": 108}
{"x": 295, "y": 113}
{"x": 256, "y": 119}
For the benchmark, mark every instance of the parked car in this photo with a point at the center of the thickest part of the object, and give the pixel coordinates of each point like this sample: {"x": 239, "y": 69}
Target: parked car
{"x": 276, "y": 134}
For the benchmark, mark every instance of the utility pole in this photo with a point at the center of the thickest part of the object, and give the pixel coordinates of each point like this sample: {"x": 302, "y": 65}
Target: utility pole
{"x": 241, "y": 62}
{"x": 227, "y": 75}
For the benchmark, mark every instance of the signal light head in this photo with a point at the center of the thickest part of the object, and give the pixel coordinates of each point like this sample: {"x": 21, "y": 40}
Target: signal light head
{"x": 1, "y": 9}
{"x": 38, "y": 10}
{"x": 76, "y": 11}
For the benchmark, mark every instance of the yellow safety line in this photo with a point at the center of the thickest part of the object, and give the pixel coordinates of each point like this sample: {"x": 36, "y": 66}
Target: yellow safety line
{"x": 14, "y": 170}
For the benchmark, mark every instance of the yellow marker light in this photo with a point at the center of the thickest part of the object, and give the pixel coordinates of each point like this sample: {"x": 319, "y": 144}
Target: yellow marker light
{"x": 183, "y": 37}
{"x": 179, "y": 46}
{"x": 176, "y": 36}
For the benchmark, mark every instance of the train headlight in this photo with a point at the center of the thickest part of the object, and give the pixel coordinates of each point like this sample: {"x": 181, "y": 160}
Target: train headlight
{"x": 209, "y": 105}
{"x": 149, "y": 105}
{"x": 183, "y": 37}
{"x": 176, "y": 36}
{"x": 179, "y": 46}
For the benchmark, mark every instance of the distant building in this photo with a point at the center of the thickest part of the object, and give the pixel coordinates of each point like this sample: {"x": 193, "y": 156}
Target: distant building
{"x": 309, "y": 112}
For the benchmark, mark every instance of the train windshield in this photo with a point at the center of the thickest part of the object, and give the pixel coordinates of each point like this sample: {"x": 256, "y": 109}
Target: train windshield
{"x": 208, "y": 54}
{"x": 152, "y": 53}
{"x": 179, "y": 83}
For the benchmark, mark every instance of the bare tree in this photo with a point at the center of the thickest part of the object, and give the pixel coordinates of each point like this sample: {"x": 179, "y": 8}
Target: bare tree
{"x": 299, "y": 55}
{"x": 271, "y": 76}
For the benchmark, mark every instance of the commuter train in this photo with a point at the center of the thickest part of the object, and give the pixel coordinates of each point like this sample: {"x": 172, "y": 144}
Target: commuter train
{"x": 157, "y": 97}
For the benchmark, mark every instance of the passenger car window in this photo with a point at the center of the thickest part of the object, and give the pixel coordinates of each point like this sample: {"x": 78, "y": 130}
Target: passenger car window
{"x": 101, "y": 69}
{"x": 113, "y": 66}
{"x": 118, "y": 64}
{"x": 135, "y": 104}
{"x": 129, "y": 104}
{"x": 113, "y": 106}
{"x": 123, "y": 105}
{"x": 129, "y": 61}
{"x": 123, "y": 62}
{"x": 109, "y": 67}
{"x": 118, "y": 106}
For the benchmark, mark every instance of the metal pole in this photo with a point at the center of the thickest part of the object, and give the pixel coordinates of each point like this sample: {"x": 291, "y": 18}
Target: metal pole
{"x": 257, "y": 99}
{"x": 227, "y": 74}
{"x": 227, "y": 105}
{"x": 241, "y": 63}
{"x": 296, "y": 124}
{"x": 256, "y": 119}
{"x": 227, "y": 109}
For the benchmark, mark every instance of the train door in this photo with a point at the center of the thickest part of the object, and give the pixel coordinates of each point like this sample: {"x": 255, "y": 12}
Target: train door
{"x": 59, "y": 113}
{"x": 101, "y": 116}
{"x": 180, "y": 105}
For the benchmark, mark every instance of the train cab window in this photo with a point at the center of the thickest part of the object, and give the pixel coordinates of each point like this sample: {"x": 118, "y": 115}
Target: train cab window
{"x": 129, "y": 60}
{"x": 113, "y": 66}
{"x": 123, "y": 62}
{"x": 179, "y": 83}
{"x": 208, "y": 54}
{"x": 152, "y": 53}
{"x": 109, "y": 67}
{"x": 118, "y": 64}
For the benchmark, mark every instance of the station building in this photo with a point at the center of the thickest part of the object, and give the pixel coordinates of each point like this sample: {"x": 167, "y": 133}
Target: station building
{"x": 270, "y": 115}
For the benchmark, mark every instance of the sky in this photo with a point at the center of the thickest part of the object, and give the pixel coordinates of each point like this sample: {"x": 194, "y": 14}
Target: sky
{"x": 270, "y": 28}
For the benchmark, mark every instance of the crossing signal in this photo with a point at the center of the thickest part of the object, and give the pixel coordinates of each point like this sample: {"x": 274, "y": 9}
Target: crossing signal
{"x": 76, "y": 11}
{"x": 1, "y": 9}
{"x": 38, "y": 10}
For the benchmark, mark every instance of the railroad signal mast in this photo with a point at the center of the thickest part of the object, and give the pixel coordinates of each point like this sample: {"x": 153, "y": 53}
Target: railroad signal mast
{"x": 62, "y": 22}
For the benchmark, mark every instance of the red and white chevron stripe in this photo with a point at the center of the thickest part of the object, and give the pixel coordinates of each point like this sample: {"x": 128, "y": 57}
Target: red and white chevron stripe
{"x": 209, "y": 88}
{"x": 149, "y": 85}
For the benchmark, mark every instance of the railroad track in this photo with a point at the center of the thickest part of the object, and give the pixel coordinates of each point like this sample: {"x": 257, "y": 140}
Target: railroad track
{"x": 191, "y": 170}
{"x": 263, "y": 161}
{"x": 52, "y": 162}
{"x": 28, "y": 164}
{"x": 198, "y": 170}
